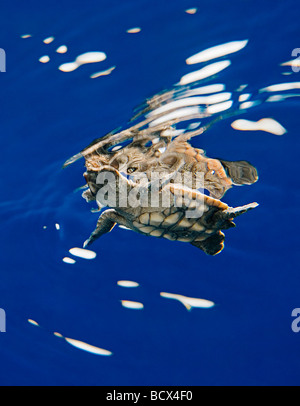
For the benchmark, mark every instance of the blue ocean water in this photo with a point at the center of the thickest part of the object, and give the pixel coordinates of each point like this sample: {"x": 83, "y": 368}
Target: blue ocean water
{"x": 48, "y": 115}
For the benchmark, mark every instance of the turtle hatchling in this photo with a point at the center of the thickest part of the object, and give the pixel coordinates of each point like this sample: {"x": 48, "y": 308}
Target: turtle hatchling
{"x": 170, "y": 205}
{"x": 164, "y": 210}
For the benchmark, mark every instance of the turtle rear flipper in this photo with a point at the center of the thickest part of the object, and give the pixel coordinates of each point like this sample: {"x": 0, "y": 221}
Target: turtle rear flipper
{"x": 212, "y": 245}
{"x": 241, "y": 172}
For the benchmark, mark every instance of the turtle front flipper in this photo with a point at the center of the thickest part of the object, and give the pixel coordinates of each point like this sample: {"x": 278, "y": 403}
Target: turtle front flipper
{"x": 212, "y": 245}
{"x": 233, "y": 212}
{"x": 106, "y": 223}
{"x": 223, "y": 219}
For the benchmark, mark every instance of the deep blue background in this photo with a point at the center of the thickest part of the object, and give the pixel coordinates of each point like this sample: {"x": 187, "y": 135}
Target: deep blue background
{"x": 47, "y": 115}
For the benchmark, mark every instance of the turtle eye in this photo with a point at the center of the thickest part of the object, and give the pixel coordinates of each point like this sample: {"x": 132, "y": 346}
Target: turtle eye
{"x": 213, "y": 172}
{"x": 131, "y": 169}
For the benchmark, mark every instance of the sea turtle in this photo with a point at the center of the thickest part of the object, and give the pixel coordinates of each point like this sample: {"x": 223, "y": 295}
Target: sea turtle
{"x": 155, "y": 145}
{"x": 180, "y": 213}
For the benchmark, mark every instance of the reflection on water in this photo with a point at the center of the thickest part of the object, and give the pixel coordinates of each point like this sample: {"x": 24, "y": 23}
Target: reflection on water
{"x": 48, "y": 40}
{"x": 77, "y": 343}
{"x": 68, "y": 260}
{"x": 281, "y": 87}
{"x": 102, "y": 73}
{"x": 62, "y": 49}
{"x": 294, "y": 63}
{"x": 130, "y": 304}
{"x": 128, "y": 284}
{"x": 83, "y": 253}
{"x": 265, "y": 124}
{"x": 87, "y": 347}
{"x": 44, "y": 59}
{"x": 216, "y": 52}
{"x": 203, "y": 73}
{"x": 33, "y": 322}
{"x": 189, "y": 302}
{"x": 83, "y": 59}
{"x": 134, "y": 30}
{"x": 191, "y": 10}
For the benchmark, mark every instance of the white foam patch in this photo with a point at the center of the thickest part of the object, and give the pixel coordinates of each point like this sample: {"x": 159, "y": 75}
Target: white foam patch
{"x": 132, "y": 305}
{"x": 48, "y": 40}
{"x": 205, "y": 72}
{"x": 189, "y": 302}
{"x": 62, "y": 49}
{"x": 128, "y": 284}
{"x": 265, "y": 124}
{"x": 87, "y": 347}
{"x": 279, "y": 87}
{"x": 217, "y": 52}
{"x": 102, "y": 73}
{"x": 44, "y": 59}
{"x": 68, "y": 260}
{"x": 57, "y": 226}
{"x": 83, "y": 253}
{"x": 133, "y": 30}
{"x": 87, "y": 57}
{"x": 26, "y": 36}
